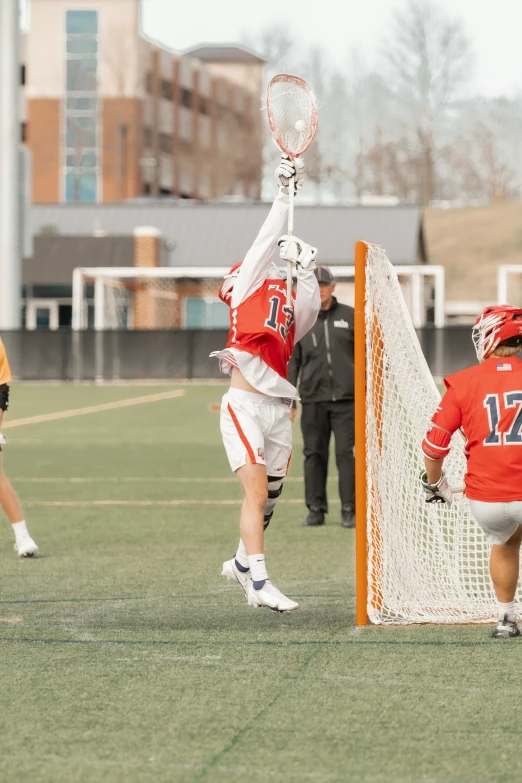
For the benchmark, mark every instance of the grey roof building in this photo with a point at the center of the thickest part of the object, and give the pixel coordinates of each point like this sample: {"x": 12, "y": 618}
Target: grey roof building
{"x": 215, "y": 234}
{"x": 224, "y": 53}
{"x": 193, "y": 234}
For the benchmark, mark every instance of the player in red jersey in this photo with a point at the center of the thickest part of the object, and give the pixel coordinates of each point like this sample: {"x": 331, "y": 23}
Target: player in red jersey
{"x": 485, "y": 402}
{"x": 255, "y": 413}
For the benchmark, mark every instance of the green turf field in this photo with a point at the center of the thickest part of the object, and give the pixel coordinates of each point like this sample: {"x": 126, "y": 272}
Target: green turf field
{"x": 133, "y": 661}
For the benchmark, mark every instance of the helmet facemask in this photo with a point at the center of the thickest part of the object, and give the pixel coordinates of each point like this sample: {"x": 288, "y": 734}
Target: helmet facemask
{"x": 500, "y": 325}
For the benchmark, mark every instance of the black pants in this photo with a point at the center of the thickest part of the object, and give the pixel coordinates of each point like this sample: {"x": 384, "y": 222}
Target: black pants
{"x": 318, "y": 421}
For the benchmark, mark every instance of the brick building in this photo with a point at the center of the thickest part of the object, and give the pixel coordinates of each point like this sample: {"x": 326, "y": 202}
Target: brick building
{"x": 110, "y": 115}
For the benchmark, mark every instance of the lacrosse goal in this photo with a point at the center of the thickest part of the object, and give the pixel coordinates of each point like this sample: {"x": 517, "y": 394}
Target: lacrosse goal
{"x": 416, "y": 562}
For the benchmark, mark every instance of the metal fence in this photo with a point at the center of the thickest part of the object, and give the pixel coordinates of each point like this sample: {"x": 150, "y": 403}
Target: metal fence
{"x": 173, "y": 354}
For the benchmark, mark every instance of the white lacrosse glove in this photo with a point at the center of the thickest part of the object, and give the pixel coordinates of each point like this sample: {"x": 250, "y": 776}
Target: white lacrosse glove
{"x": 298, "y": 252}
{"x": 290, "y": 168}
{"x": 2, "y": 440}
{"x": 440, "y": 492}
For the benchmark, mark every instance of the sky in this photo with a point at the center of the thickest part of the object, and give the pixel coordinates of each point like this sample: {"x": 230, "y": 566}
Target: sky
{"x": 494, "y": 28}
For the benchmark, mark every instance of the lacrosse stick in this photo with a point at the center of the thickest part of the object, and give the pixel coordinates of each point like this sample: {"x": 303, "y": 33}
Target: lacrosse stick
{"x": 292, "y": 116}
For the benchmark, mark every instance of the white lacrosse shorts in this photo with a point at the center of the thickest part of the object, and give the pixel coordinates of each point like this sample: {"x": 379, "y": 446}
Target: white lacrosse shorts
{"x": 499, "y": 521}
{"x": 256, "y": 429}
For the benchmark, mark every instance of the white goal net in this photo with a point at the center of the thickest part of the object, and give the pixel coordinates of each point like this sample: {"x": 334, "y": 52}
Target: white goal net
{"x": 426, "y": 563}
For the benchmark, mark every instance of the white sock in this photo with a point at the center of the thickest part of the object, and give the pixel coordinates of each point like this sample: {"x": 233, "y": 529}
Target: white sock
{"x": 20, "y": 531}
{"x": 508, "y": 609}
{"x": 241, "y": 555}
{"x": 257, "y": 568}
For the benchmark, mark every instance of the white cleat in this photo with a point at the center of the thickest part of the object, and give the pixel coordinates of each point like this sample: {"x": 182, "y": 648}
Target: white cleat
{"x": 232, "y": 572}
{"x": 270, "y": 596}
{"x": 26, "y": 548}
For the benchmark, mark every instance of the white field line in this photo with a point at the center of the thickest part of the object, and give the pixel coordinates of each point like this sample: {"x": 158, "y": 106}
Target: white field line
{"x": 189, "y": 502}
{"x": 160, "y": 766}
{"x": 371, "y": 681}
{"x": 107, "y": 406}
{"x": 134, "y": 479}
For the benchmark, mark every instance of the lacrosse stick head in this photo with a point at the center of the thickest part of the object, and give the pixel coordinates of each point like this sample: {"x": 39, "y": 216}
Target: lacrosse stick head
{"x": 292, "y": 113}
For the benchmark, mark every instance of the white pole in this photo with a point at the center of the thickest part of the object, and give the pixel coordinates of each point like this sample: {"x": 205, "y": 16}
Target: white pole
{"x": 77, "y": 300}
{"x": 502, "y": 287}
{"x": 99, "y": 325}
{"x": 440, "y": 304}
{"x": 10, "y": 261}
{"x": 99, "y": 314}
{"x": 416, "y": 300}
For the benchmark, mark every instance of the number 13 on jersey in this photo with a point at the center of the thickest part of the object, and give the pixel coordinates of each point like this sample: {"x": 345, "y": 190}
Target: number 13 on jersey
{"x": 281, "y": 317}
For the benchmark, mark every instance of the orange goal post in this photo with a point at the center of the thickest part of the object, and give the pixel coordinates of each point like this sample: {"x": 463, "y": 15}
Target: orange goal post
{"x": 415, "y": 562}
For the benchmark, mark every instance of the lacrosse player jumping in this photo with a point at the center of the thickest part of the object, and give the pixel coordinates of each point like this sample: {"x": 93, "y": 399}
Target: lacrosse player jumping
{"x": 255, "y": 412}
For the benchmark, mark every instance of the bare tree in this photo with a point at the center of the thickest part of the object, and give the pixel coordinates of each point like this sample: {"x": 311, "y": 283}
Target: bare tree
{"x": 428, "y": 58}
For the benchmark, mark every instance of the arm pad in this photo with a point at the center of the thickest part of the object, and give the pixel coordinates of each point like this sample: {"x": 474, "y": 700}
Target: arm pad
{"x": 4, "y": 396}
{"x": 436, "y": 443}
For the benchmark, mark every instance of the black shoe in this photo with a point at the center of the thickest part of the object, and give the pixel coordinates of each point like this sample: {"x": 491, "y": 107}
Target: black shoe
{"x": 506, "y": 629}
{"x": 347, "y": 517}
{"x": 315, "y": 518}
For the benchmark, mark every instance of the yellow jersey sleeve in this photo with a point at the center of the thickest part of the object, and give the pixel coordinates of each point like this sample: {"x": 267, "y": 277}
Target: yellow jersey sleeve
{"x": 5, "y": 370}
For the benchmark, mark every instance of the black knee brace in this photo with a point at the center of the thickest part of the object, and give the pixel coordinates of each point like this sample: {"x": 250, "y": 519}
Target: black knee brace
{"x": 273, "y": 495}
{"x": 4, "y": 397}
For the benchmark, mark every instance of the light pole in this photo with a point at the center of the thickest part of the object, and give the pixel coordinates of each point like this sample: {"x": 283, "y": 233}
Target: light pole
{"x": 10, "y": 234}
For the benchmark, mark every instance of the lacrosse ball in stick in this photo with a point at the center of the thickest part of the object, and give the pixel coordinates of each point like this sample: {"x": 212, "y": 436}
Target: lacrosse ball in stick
{"x": 300, "y": 126}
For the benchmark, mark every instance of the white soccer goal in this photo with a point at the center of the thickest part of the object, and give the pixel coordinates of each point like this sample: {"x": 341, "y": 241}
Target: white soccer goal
{"x": 416, "y": 562}
{"x": 144, "y": 297}
{"x": 509, "y": 284}
{"x": 168, "y": 297}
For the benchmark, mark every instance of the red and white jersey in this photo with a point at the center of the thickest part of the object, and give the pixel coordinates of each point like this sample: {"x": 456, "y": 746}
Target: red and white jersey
{"x": 264, "y": 325}
{"x": 263, "y": 329}
{"x": 485, "y": 402}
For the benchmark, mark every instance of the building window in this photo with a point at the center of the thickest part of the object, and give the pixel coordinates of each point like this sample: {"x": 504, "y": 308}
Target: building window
{"x": 167, "y": 91}
{"x": 209, "y": 313}
{"x": 165, "y": 143}
{"x": 204, "y": 105}
{"x": 80, "y": 186}
{"x": 186, "y": 98}
{"x": 82, "y": 45}
{"x": 82, "y": 74}
{"x": 81, "y": 22}
{"x": 81, "y": 128}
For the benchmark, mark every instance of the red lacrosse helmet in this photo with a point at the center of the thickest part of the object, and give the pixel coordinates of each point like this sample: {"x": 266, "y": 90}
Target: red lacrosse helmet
{"x": 225, "y": 291}
{"x": 497, "y": 325}
{"x": 227, "y": 286}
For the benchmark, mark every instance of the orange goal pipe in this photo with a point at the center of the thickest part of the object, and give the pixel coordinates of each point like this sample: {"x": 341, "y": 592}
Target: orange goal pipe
{"x": 361, "y": 555}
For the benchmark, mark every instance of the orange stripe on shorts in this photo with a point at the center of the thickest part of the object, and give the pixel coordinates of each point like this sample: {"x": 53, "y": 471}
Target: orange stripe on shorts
{"x": 242, "y": 435}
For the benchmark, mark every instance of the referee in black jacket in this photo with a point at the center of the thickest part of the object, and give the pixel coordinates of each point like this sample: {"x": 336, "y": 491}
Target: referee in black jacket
{"x": 323, "y": 362}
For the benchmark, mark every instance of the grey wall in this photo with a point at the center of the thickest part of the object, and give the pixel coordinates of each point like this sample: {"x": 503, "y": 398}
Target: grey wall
{"x": 55, "y": 257}
{"x": 173, "y": 354}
